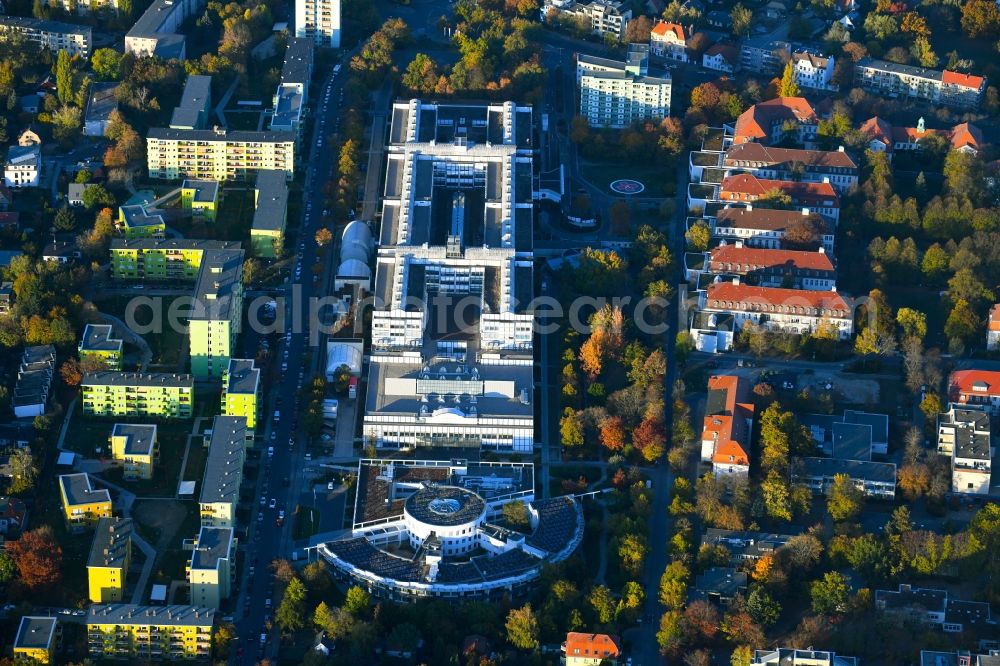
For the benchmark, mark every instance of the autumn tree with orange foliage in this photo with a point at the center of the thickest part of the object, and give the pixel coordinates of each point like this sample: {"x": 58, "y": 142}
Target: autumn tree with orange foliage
{"x": 702, "y": 619}
{"x": 650, "y": 438}
{"x": 38, "y": 558}
{"x": 613, "y": 433}
{"x": 607, "y": 338}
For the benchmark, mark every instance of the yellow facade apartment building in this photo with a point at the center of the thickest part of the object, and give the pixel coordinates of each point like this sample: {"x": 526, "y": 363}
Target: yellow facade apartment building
{"x": 150, "y": 633}
{"x": 211, "y": 567}
{"x": 135, "y": 444}
{"x": 110, "y": 557}
{"x": 36, "y": 639}
{"x": 82, "y": 503}
{"x": 216, "y": 154}
{"x": 220, "y": 487}
{"x": 241, "y": 391}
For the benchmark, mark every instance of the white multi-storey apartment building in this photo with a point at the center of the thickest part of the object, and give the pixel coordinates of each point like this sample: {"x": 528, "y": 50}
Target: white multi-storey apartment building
{"x": 617, "y": 94}
{"x": 812, "y": 70}
{"x": 964, "y": 434}
{"x": 451, "y": 360}
{"x": 319, "y": 20}
{"x": 51, "y": 35}
{"x": 157, "y": 32}
{"x": 293, "y": 91}
{"x": 22, "y": 167}
{"x": 84, "y": 7}
{"x": 945, "y": 87}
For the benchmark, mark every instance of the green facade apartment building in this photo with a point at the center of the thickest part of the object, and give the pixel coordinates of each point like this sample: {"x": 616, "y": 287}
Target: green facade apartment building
{"x": 159, "y": 394}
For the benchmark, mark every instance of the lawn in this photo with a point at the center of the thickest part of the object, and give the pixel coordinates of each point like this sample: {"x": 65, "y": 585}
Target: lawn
{"x": 306, "y": 522}
{"x": 242, "y": 120}
{"x": 164, "y": 524}
{"x": 652, "y": 176}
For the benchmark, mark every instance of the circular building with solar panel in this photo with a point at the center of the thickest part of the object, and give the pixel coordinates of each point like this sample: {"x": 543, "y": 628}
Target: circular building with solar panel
{"x": 434, "y": 528}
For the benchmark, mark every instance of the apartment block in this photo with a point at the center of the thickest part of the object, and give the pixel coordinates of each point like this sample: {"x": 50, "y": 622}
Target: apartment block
{"x": 745, "y": 188}
{"x": 36, "y": 639}
{"x": 812, "y": 70}
{"x": 136, "y": 446}
{"x": 616, "y": 94}
{"x": 22, "y": 167}
{"x": 34, "y": 380}
{"x": 110, "y": 557}
{"x": 267, "y": 233}
{"x": 195, "y": 105}
{"x": 149, "y": 633}
{"x": 761, "y": 267}
{"x": 293, "y": 90}
{"x": 212, "y": 566}
{"x": 726, "y": 433}
{"x": 217, "y": 154}
{"x": 83, "y": 504}
{"x": 890, "y": 79}
{"x": 764, "y": 56}
{"x": 220, "y": 487}
{"x": 200, "y": 198}
{"x": 812, "y": 166}
{"x": 604, "y": 17}
{"x": 158, "y": 394}
{"x": 669, "y": 40}
{"x": 874, "y": 479}
{"x": 241, "y": 391}
{"x": 157, "y": 32}
{"x": 98, "y": 346}
{"x": 164, "y": 259}
{"x": 52, "y": 35}
{"x": 217, "y": 317}
{"x": 318, "y": 20}
{"x": 965, "y": 435}
{"x": 136, "y": 221}
{"x": 763, "y": 227}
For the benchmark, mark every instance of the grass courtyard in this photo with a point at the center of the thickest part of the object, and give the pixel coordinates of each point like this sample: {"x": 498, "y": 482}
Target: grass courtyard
{"x": 659, "y": 182}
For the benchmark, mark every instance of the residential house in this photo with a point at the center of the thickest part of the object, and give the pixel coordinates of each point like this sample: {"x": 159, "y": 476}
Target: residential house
{"x": 812, "y": 70}
{"x": 29, "y": 137}
{"x": 728, "y": 424}
{"x": 74, "y": 194}
{"x": 13, "y": 513}
{"x": 138, "y": 221}
{"x": 584, "y": 649}
{"x": 959, "y": 658}
{"x": 669, "y": 40}
{"x": 936, "y": 608}
{"x": 23, "y": 166}
{"x": 61, "y": 251}
{"x": 775, "y": 120}
{"x": 720, "y": 585}
{"x": 83, "y": 504}
{"x": 764, "y": 56}
{"x": 605, "y": 17}
{"x": 766, "y": 227}
{"x": 745, "y": 546}
{"x": 885, "y": 137}
{"x": 975, "y": 387}
{"x": 993, "y": 328}
{"x": 721, "y": 57}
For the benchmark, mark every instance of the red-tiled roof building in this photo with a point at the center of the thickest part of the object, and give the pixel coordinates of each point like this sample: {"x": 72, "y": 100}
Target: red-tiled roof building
{"x": 591, "y": 649}
{"x": 975, "y": 387}
{"x": 725, "y": 435}
{"x": 765, "y": 122}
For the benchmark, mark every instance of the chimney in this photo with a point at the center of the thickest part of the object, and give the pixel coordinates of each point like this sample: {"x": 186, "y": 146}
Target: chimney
{"x": 749, "y": 206}
{"x": 739, "y": 243}
{"x": 826, "y": 179}
{"x": 822, "y": 250}
{"x": 840, "y": 149}
{"x": 805, "y": 211}
{"x": 736, "y": 280}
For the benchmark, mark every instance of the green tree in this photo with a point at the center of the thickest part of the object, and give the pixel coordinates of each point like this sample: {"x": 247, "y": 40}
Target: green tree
{"x": 775, "y": 493}
{"x": 291, "y": 613}
{"x": 845, "y": 500}
{"x": 764, "y": 610}
{"x": 107, "y": 64}
{"x": 64, "y": 77}
{"x": 672, "y": 635}
{"x": 65, "y": 219}
{"x": 522, "y": 628}
{"x": 95, "y": 195}
{"x": 516, "y": 515}
{"x": 571, "y": 428}
{"x": 743, "y": 654}
{"x": 337, "y": 623}
{"x": 829, "y": 594}
{"x": 698, "y": 236}
{"x": 788, "y": 87}
{"x": 356, "y": 601}
{"x": 962, "y": 323}
{"x": 913, "y": 322}
{"x": 406, "y": 636}
{"x": 8, "y": 568}
{"x": 741, "y": 17}
{"x": 603, "y": 603}
{"x": 23, "y": 471}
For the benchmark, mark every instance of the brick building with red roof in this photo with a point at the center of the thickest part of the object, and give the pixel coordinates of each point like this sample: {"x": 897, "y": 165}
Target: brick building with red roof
{"x": 766, "y": 122}
{"x": 975, "y": 387}
{"x": 581, "y": 649}
{"x": 726, "y": 431}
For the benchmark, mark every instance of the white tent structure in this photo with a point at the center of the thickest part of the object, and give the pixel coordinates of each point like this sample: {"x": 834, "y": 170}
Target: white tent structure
{"x": 340, "y": 353}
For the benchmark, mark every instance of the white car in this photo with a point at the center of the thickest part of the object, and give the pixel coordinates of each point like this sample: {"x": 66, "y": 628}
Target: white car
{"x": 329, "y": 486}
{"x": 263, "y": 500}
{"x": 260, "y": 516}
{"x": 273, "y": 503}
{"x": 270, "y": 454}
{"x": 281, "y": 514}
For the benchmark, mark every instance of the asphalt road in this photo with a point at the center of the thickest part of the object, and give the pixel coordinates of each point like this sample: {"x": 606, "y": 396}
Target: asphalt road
{"x": 280, "y": 476}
